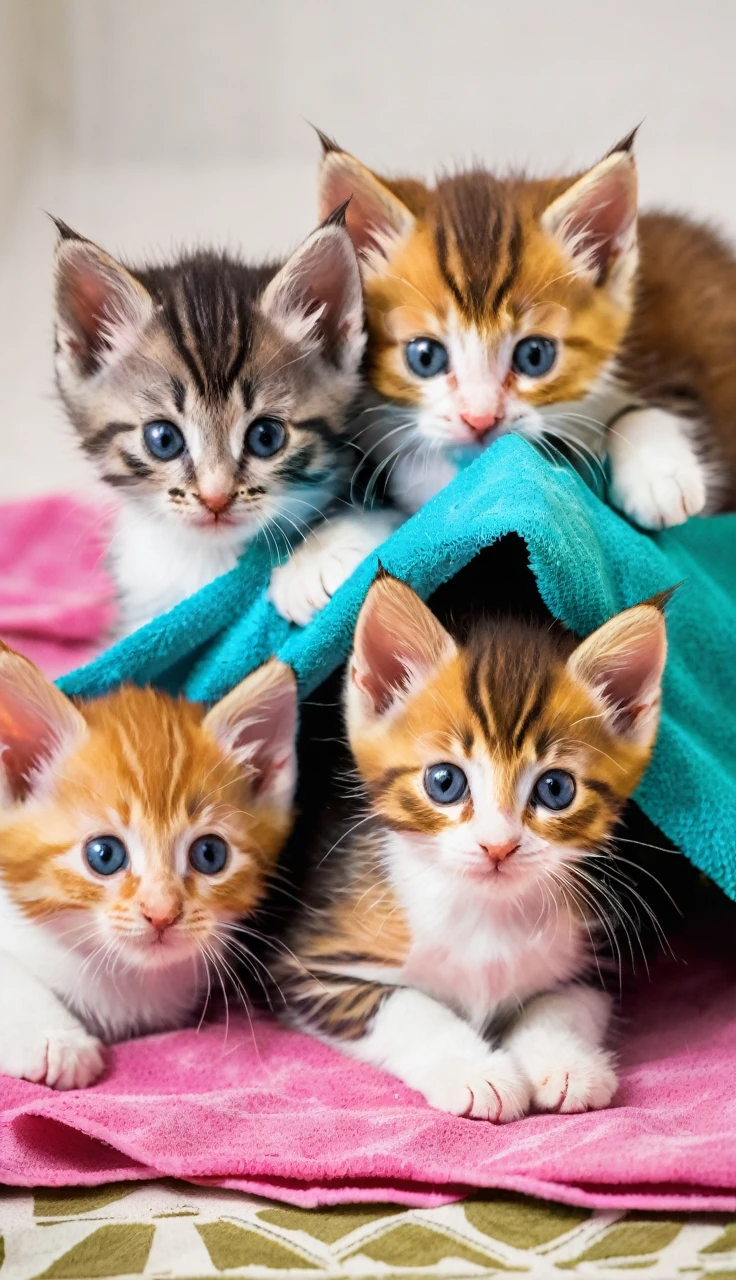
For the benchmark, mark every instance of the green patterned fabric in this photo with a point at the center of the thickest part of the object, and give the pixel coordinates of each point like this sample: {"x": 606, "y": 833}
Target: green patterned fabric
{"x": 174, "y": 1230}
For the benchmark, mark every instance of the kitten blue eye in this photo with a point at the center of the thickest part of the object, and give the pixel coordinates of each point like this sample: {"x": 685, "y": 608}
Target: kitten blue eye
{"x": 555, "y": 789}
{"x": 164, "y": 440}
{"x": 208, "y": 855}
{"x": 106, "y": 855}
{"x": 445, "y": 783}
{"x": 426, "y": 357}
{"x": 265, "y": 437}
{"x": 534, "y": 356}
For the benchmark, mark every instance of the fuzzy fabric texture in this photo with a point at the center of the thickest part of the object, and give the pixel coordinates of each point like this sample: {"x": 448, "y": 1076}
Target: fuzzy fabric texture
{"x": 589, "y": 562}
{"x": 56, "y": 600}
{"x": 278, "y": 1114}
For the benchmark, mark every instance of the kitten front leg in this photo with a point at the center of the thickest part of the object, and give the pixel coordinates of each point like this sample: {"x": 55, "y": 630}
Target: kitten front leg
{"x": 432, "y": 1050}
{"x": 657, "y": 477}
{"x": 41, "y": 1040}
{"x": 325, "y": 560}
{"x": 557, "y": 1043}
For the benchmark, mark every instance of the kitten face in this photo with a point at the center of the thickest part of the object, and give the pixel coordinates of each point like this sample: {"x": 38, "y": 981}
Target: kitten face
{"x": 137, "y": 827}
{"x": 490, "y": 301}
{"x": 505, "y": 759}
{"x": 212, "y": 392}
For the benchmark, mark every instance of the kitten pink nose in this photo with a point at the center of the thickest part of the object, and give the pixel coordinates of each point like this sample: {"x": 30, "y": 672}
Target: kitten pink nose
{"x": 498, "y": 852}
{"x": 215, "y": 500}
{"x": 162, "y": 917}
{"x": 481, "y": 422}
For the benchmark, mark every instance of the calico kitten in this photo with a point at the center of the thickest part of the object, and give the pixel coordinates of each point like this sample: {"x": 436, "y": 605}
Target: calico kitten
{"x": 538, "y": 306}
{"x": 448, "y": 931}
{"x": 211, "y": 396}
{"x": 135, "y": 831}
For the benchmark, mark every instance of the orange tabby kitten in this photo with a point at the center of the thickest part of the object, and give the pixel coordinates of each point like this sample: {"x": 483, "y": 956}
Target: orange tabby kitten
{"x": 540, "y": 306}
{"x": 136, "y": 831}
{"x": 448, "y": 931}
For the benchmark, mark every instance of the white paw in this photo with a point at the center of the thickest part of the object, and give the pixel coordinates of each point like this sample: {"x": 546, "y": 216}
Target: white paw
{"x": 580, "y": 1079}
{"x": 489, "y": 1089}
{"x": 64, "y": 1058}
{"x": 304, "y": 584}
{"x": 657, "y": 479}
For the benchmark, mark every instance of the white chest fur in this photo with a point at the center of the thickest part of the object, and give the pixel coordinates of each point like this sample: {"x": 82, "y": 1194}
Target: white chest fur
{"x": 479, "y": 954}
{"x": 157, "y": 563}
{"x": 112, "y": 1001}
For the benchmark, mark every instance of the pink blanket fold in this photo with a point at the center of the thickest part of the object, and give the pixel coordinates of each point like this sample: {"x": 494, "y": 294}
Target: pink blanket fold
{"x": 55, "y": 597}
{"x": 277, "y": 1114}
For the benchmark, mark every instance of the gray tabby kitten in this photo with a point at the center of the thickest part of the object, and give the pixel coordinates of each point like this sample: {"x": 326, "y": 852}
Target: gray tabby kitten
{"x": 211, "y": 396}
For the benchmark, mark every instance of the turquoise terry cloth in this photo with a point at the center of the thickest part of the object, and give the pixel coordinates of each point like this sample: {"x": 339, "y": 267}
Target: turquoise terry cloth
{"x": 589, "y": 563}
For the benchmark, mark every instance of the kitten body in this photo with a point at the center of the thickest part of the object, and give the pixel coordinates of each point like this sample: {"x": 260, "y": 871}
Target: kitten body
{"x": 136, "y": 832}
{"x": 547, "y": 308}
{"x": 211, "y": 396}
{"x": 449, "y": 933}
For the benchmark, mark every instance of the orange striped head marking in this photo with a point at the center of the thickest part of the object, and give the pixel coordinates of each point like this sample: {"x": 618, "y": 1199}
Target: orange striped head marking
{"x": 506, "y": 758}
{"x": 141, "y": 825}
{"x": 490, "y": 300}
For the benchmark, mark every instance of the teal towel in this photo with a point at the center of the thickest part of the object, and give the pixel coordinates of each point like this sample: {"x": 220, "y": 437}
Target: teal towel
{"x": 589, "y": 563}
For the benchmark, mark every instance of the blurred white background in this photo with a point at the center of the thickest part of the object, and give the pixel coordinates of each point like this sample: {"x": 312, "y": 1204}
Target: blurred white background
{"x": 151, "y": 123}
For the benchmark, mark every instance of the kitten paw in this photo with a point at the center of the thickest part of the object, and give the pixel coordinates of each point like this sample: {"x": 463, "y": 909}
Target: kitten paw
{"x": 67, "y": 1058}
{"x": 583, "y": 1079}
{"x": 309, "y": 579}
{"x": 486, "y": 1090}
{"x": 657, "y": 479}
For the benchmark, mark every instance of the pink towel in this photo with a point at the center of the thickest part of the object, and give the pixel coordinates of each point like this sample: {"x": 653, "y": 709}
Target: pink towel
{"x": 277, "y": 1114}
{"x": 55, "y": 597}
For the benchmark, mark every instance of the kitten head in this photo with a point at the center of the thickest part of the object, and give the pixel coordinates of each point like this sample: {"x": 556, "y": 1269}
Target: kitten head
{"x": 211, "y": 391}
{"x": 490, "y": 299}
{"x": 510, "y": 756}
{"x": 140, "y": 824}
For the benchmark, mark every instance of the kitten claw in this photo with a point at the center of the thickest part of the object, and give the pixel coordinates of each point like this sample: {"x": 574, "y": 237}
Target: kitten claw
{"x": 67, "y": 1058}
{"x": 582, "y": 1080}
{"x": 492, "y": 1090}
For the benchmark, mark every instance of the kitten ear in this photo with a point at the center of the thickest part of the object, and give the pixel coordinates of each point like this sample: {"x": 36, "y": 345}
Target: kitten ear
{"x": 375, "y": 215}
{"x": 100, "y": 307}
{"x": 36, "y": 723}
{"x": 623, "y": 662}
{"x": 596, "y": 217}
{"x": 398, "y": 642}
{"x": 317, "y": 295}
{"x": 257, "y": 724}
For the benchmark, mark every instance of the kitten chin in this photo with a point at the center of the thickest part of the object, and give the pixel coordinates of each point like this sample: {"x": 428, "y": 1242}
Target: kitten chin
{"x": 450, "y": 923}
{"x": 137, "y": 831}
{"x": 549, "y": 308}
{"x": 211, "y": 396}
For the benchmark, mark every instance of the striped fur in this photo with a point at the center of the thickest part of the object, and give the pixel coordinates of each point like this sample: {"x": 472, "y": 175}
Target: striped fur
{"x": 414, "y": 894}
{"x": 209, "y": 344}
{"x": 479, "y": 261}
{"x": 137, "y": 949}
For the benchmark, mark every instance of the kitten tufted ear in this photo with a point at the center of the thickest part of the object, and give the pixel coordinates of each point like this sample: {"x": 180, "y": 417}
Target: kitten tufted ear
{"x": 37, "y": 723}
{"x": 317, "y": 296}
{"x": 398, "y": 643}
{"x": 376, "y": 215}
{"x": 100, "y": 307}
{"x": 256, "y": 723}
{"x": 623, "y": 662}
{"x": 596, "y": 217}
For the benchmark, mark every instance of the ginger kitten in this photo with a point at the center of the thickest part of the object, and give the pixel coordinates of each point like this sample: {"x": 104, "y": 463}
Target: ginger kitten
{"x": 135, "y": 832}
{"x": 449, "y": 926}
{"x": 540, "y": 306}
{"x": 211, "y": 396}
